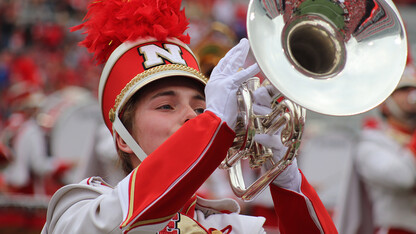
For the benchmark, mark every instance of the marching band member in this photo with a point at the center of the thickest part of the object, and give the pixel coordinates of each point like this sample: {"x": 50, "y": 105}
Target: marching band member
{"x": 172, "y": 128}
{"x": 29, "y": 161}
{"x": 381, "y": 191}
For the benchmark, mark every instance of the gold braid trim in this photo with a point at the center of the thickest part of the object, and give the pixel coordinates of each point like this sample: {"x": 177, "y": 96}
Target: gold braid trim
{"x": 152, "y": 221}
{"x": 152, "y": 71}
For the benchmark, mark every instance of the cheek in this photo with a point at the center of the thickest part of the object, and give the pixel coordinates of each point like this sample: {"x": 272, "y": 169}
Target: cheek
{"x": 153, "y": 130}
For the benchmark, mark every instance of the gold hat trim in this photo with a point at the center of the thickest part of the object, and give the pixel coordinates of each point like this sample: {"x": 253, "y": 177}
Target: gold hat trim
{"x": 168, "y": 67}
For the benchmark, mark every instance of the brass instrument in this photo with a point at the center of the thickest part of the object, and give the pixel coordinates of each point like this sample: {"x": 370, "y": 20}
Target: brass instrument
{"x": 336, "y": 58}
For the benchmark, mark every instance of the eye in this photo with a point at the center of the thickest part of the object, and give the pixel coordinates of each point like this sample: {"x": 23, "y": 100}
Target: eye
{"x": 165, "y": 107}
{"x": 199, "y": 110}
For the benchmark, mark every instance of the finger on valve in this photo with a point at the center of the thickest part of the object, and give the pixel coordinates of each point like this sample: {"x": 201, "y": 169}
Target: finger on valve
{"x": 226, "y": 78}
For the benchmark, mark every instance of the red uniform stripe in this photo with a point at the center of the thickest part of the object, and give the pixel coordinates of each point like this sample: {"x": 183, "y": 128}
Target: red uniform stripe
{"x": 292, "y": 210}
{"x": 169, "y": 177}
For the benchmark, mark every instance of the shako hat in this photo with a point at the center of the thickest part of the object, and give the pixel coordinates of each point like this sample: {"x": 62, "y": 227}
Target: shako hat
{"x": 139, "y": 41}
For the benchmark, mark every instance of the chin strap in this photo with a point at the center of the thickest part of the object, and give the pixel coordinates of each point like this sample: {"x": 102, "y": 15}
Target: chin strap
{"x": 125, "y": 135}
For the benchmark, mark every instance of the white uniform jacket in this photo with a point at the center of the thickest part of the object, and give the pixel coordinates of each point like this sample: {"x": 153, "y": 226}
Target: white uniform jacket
{"x": 388, "y": 170}
{"x": 30, "y": 156}
{"x": 158, "y": 196}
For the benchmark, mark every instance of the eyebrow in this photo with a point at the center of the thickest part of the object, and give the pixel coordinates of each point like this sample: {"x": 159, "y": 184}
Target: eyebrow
{"x": 172, "y": 93}
{"x": 166, "y": 93}
{"x": 199, "y": 97}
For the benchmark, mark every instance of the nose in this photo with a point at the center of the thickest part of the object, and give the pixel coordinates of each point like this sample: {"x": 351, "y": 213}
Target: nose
{"x": 189, "y": 113}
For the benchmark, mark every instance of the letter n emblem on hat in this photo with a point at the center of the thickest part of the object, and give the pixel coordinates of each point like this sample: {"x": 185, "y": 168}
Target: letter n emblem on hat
{"x": 155, "y": 55}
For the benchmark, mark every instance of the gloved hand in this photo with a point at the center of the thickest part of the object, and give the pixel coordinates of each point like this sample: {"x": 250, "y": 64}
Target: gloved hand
{"x": 225, "y": 79}
{"x": 290, "y": 178}
{"x": 262, "y": 99}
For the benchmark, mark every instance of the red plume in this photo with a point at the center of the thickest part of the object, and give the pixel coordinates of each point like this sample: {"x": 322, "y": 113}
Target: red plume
{"x": 109, "y": 23}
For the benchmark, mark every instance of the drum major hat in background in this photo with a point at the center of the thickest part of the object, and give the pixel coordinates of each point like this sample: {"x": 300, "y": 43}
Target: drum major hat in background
{"x": 140, "y": 41}
{"x": 24, "y": 95}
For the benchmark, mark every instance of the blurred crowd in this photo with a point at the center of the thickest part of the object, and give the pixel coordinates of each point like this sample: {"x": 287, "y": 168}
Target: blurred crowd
{"x": 36, "y": 45}
{"x": 51, "y": 129}
{"x": 49, "y": 84}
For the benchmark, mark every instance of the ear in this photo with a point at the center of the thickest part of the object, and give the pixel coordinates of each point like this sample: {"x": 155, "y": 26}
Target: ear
{"x": 122, "y": 145}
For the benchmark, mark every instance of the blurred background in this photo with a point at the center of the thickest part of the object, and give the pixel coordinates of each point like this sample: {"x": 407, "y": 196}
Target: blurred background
{"x": 48, "y": 87}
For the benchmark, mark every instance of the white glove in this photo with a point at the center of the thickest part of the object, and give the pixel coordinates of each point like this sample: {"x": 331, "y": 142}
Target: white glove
{"x": 225, "y": 79}
{"x": 290, "y": 178}
{"x": 262, "y": 98}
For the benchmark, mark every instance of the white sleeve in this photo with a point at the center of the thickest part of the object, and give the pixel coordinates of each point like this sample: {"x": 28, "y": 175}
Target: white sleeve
{"x": 36, "y": 151}
{"x": 385, "y": 163}
{"x": 91, "y": 208}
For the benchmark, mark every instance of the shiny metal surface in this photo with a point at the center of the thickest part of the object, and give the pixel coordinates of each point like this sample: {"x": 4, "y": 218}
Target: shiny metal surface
{"x": 371, "y": 58}
{"x": 285, "y": 117}
{"x": 322, "y": 55}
